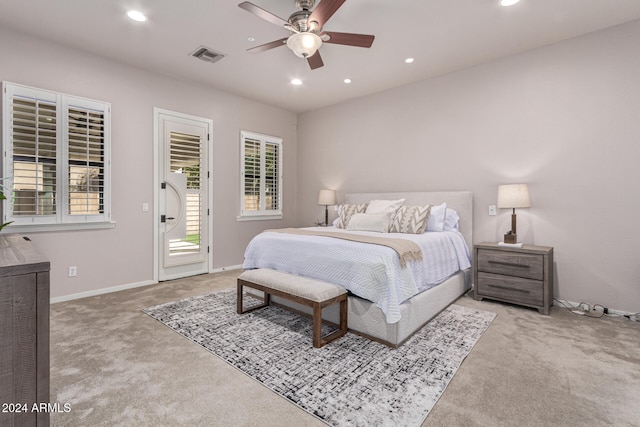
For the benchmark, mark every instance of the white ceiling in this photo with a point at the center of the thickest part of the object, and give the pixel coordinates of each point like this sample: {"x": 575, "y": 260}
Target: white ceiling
{"x": 442, "y": 36}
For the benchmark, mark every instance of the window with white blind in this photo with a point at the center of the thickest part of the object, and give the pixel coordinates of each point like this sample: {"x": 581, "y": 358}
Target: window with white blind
{"x": 261, "y": 176}
{"x": 56, "y": 159}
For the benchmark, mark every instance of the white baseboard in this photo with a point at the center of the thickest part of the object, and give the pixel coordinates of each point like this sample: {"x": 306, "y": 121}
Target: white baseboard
{"x": 230, "y": 267}
{"x": 126, "y": 286}
{"x": 102, "y": 291}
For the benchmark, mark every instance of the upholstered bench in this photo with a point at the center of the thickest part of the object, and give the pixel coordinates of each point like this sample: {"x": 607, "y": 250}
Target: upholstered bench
{"x": 303, "y": 290}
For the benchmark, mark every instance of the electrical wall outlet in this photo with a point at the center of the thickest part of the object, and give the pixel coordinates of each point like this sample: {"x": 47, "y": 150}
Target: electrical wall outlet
{"x": 73, "y": 271}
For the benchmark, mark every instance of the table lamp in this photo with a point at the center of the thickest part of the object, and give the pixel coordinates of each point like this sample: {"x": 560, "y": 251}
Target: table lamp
{"x": 512, "y": 196}
{"x": 327, "y": 198}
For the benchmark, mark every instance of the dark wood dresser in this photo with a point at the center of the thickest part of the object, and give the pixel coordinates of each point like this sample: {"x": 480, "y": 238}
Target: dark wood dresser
{"x": 24, "y": 333}
{"x": 516, "y": 275}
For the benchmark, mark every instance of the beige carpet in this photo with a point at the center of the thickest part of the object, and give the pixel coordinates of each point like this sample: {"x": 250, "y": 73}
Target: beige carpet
{"x": 117, "y": 366}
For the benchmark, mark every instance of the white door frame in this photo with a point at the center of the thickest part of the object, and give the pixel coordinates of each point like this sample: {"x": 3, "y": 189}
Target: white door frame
{"x": 157, "y": 182}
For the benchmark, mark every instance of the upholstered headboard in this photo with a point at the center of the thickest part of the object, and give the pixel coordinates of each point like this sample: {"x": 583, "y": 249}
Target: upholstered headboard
{"x": 461, "y": 201}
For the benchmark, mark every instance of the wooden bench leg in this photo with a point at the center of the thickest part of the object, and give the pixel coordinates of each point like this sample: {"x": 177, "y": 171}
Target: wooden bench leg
{"x": 240, "y": 294}
{"x": 318, "y": 339}
{"x": 239, "y": 298}
{"x": 343, "y": 315}
{"x": 317, "y": 326}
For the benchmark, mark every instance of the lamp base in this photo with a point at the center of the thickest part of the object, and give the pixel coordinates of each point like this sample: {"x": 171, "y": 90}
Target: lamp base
{"x": 511, "y": 238}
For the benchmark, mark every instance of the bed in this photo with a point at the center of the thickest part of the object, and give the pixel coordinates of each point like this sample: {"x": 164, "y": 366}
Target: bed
{"x": 389, "y": 298}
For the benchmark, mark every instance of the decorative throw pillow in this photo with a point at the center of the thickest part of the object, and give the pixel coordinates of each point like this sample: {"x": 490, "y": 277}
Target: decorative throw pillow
{"x": 411, "y": 219}
{"x": 369, "y": 222}
{"x": 451, "y": 220}
{"x": 385, "y": 206}
{"x": 436, "y": 217}
{"x": 347, "y": 212}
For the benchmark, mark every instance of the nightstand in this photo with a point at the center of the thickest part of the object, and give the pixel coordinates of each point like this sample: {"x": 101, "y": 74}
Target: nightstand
{"x": 521, "y": 276}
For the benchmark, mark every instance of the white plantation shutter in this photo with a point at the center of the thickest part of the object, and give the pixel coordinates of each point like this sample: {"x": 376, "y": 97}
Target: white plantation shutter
{"x": 33, "y": 134}
{"x": 272, "y": 176}
{"x": 56, "y": 158}
{"x": 86, "y": 161}
{"x": 261, "y": 177}
{"x": 251, "y": 175}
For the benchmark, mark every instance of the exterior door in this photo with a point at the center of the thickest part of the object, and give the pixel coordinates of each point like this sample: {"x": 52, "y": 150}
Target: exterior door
{"x": 183, "y": 196}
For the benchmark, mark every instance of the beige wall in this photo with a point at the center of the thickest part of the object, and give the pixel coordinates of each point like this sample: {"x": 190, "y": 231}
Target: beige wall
{"x": 124, "y": 255}
{"x": 564, "y": 118}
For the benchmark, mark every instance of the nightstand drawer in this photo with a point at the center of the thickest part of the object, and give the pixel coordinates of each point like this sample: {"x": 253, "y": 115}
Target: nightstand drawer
{"x": 516, "y": 289}
{"x": 511, "y": 263}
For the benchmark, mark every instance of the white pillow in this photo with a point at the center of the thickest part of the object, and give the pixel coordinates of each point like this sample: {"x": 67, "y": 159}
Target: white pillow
{"x": 384, "y": 206}
{"x": 451, "y": 220}
{"x": 369, "y": 222}
{"x": 338, "y": 209}
{"x": 436, "y": 218}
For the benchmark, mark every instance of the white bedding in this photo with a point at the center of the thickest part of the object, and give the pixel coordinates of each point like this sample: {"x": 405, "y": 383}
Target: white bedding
{"x": 369, "y": 271}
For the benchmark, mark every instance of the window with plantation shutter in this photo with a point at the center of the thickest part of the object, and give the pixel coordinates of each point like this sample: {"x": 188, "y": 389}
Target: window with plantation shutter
{"x": 261, "y": 176}
{"x": 56, "y": 159}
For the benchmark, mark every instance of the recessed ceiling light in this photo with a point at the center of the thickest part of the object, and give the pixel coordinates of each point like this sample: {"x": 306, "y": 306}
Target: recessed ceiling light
{"x": 296, "y": 82}
{"x": 136, "y": 15}
{"x": 408, "y": 60}
{"x": 508, "y": 2}
{"x": 347, "y": 81}
{"x": 251, "y": 39}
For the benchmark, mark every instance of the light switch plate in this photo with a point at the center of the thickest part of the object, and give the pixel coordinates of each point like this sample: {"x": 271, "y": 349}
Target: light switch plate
{"x": 492, "y": 210}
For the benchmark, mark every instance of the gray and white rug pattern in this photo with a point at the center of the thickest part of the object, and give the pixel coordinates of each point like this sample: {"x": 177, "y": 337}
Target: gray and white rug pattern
{"x": 350, "y": 382}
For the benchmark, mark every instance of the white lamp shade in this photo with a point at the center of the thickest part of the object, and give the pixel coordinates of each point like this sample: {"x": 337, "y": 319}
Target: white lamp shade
{"x": 513, "y": 196}
{"x": 304, "y": 44}
{"x": 327, "y": 197}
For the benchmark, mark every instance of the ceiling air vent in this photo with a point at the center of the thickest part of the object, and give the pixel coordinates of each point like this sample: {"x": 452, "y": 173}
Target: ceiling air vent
{"x": 206, "y": 54}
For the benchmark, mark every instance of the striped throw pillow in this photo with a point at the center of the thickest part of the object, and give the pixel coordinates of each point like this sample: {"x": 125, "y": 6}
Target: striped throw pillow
{"x": 410, "y": 219}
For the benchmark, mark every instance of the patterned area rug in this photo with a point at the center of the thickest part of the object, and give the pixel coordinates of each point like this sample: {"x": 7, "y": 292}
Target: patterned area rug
{"x": 350, "y": 382}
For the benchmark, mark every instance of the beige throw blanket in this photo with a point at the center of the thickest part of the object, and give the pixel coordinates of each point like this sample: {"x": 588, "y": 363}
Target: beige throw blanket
{"x": 407, "y": 250}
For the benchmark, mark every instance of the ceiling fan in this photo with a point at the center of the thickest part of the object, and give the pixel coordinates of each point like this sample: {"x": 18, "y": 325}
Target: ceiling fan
{"x": 306, "y": 28}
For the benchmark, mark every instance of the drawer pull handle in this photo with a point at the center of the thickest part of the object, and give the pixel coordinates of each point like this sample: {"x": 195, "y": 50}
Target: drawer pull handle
{"x": 510, "y": 264}
{"x": 524, "y": 291}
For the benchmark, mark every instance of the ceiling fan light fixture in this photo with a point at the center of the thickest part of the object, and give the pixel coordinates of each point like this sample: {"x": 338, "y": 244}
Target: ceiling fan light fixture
{"x": 304, "y": 44}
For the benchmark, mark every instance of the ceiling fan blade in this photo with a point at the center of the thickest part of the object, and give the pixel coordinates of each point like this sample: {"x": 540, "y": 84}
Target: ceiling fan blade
{"x": 267, "y": 46}
{"x": 315, "y": 60}
{"x": 260, "y": 12}
{"x": 358, "y": 40}
{"x": 324, "y": 11}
